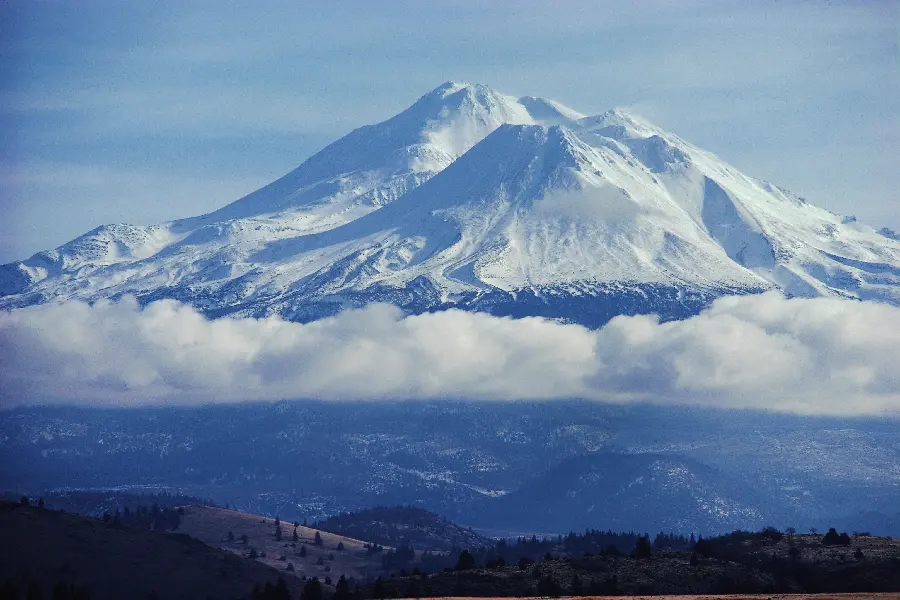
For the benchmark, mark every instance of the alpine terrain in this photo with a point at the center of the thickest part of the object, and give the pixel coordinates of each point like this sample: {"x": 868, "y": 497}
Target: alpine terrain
{"x": 474, "y": 199}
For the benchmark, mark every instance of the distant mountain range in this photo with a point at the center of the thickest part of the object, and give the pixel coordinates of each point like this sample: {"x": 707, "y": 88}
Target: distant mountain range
{"x": 502, "y": 468}
{"x": 474, "y": 199}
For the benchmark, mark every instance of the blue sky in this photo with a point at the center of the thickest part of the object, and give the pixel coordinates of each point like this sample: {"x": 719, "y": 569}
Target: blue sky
{"x": 143, "y": 112}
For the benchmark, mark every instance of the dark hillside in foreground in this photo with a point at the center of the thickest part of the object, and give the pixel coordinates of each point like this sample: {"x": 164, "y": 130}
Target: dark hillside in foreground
{"x": 403, "y": 526}
{"x": 740, "y": 563}
{"x": 117, "y": 562}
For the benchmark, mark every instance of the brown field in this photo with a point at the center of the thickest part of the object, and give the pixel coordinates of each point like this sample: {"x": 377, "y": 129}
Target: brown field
{"x": 211, "y": 526}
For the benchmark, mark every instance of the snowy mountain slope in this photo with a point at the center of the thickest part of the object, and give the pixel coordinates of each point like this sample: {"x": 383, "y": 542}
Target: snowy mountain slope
{"x": 366, "y": 169}
{"x": 475, "y": 199}
{"x": 801, "y": 248}
{"x": 529, "y": 208}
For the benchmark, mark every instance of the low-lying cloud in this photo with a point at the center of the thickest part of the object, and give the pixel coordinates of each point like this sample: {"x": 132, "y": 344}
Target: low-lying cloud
{"x": 815, "y": 356}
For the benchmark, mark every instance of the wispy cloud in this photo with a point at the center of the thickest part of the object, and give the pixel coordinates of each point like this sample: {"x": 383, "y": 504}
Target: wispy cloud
{"x": 815, "y": 356}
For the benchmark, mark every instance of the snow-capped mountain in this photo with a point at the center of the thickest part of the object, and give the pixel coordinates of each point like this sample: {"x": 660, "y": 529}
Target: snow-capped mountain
{"x": 475, "y": 199}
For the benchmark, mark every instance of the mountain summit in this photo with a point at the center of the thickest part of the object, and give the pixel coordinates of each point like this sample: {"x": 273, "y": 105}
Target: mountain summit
{"x": 478, "y": 200}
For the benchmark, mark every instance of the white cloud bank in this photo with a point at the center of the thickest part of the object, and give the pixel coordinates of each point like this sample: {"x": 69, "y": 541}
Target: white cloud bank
{"x": 815, "y": 356}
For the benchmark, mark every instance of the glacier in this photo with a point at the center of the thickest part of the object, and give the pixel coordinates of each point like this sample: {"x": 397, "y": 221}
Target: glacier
{"x": 474, "y": 199}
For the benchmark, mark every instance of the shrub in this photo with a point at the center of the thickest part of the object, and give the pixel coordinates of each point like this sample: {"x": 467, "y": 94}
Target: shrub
{"x": 833, "y": 538}
{"x": 466, "y": 561}
{"x": 342, "y": 589}
{"x": 312, "y": 590}
{"x": 704, "y": 548}
{"x": 642, "y": 547}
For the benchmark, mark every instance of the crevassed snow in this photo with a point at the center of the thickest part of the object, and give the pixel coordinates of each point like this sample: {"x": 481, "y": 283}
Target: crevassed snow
{"x": 470, "y": 193}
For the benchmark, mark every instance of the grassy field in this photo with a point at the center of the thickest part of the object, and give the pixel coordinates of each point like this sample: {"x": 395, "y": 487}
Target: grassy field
{"x": 212, "y": 525}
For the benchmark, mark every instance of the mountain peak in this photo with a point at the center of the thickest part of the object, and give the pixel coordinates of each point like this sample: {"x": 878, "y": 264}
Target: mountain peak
{"x": 620, "y": 123}
{"x": 453, "y": 95}
{"x": 470, "y": 196}
{"x": 451, "y": 87}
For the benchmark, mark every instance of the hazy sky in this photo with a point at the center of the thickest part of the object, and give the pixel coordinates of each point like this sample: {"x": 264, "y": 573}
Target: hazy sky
{"x": 142, "y": 112}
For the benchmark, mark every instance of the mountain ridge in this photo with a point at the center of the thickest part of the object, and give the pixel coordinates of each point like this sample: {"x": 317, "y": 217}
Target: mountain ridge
{"x": 474, "y": 199}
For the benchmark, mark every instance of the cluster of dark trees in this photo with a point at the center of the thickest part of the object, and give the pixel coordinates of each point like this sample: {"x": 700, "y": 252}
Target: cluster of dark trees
{"x": 738, "y": 547}
{"x": 270, "y": 591}
{"x": 397, "y": 558}
{"x": 524, "y": 549}
{"x": 592, "y": 541}
{"x": 833, "y": 538}
{"x": 33, "y": 590}
{"x": 515, "y": 568}
{"x": 396, "y": 525}
{"x": 153, "y": 517}
{"x": 94, "y": 503}
{"x": 312, "y": 590}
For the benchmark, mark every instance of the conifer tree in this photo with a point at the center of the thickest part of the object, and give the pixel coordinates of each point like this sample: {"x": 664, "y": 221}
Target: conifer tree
{"x": 642, "y": 547}
{"x": 312, "y": 590}
{"x": 342, "y": 589}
